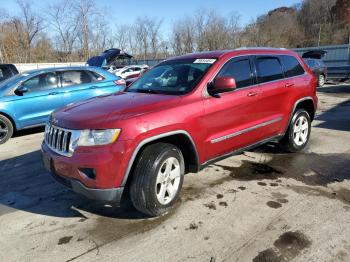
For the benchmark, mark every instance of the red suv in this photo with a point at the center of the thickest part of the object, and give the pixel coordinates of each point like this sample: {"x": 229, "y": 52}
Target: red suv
{"x": 182, "y": 115}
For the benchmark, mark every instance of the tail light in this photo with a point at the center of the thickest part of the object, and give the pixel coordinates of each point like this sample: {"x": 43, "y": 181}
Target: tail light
{"x": 120, "y": 82}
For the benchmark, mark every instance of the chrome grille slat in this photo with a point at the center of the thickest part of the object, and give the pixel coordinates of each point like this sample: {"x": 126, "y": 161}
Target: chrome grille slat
{"x": 61, "y": 140}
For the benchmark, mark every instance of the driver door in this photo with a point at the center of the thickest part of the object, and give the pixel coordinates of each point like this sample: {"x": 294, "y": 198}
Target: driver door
{"x": 42, "y": 96}
{"x": 231, "y": 117}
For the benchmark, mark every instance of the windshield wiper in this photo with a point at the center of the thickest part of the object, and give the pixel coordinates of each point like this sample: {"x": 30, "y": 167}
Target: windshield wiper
{"x": 147, "y": 91}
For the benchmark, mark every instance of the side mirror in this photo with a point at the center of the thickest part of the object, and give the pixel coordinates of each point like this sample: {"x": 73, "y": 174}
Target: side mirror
{"x": 222, "y": 84}
{"x": 21, "y": 90}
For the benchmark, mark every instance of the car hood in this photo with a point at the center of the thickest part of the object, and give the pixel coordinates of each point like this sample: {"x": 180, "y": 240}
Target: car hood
{"x": 105, "y": 111}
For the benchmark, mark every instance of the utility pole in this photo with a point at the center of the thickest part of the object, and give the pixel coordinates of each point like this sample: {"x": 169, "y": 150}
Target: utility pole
{"x": 319, "y": 35}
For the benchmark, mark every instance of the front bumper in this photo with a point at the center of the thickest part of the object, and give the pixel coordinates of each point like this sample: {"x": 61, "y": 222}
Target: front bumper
{"x": 66, "y": 171}
{"x": 109, "y": 195}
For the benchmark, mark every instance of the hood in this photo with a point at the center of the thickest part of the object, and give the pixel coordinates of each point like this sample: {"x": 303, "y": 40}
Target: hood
{"x": 104, "y": 111}
{"x": 108, "y": 57}
{"x": 315, "y": 54}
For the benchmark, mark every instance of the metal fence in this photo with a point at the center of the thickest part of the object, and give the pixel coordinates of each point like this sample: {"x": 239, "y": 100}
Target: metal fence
{"x": 337, "y": 55}
{"x": 31, "y": 66}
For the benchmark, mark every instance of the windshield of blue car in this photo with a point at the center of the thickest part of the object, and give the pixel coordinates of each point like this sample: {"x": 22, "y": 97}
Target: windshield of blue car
{"x": 174, "y": 77}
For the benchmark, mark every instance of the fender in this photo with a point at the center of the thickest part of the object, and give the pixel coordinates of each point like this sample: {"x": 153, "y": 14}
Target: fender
{"x": 153, "y": 138}
{"x": 295, "y": 106}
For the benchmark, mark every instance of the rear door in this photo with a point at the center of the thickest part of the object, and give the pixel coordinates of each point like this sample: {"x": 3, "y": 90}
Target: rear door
{"x": 275, "y": 89}
{"x": 43, "y": 96}
{"x": 230, "y": 117}
{"x": 83, "y": 84}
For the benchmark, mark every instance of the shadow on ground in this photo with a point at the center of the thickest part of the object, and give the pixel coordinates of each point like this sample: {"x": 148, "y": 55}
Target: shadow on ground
{"x": 336, "y": 118}
{"x": 29, "y": 131}
{"x": 27, "y": 186}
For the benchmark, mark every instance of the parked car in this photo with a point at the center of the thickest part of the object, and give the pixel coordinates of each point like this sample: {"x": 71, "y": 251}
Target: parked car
{"x": 110, "y": 58}
{"x": 6, "y": 71}
{"x": 314, "y": 60}
{"x": 206, "y": 107}
{"x": 132, "y": 71}
{"x": 27, "y": 99}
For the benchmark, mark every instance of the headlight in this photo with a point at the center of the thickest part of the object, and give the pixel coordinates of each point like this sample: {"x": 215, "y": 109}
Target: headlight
{"x": 98, "y": 137}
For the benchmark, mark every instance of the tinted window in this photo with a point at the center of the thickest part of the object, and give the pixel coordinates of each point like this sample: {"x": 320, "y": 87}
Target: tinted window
{"x": 291, "y": 66}
{"x": 72, "y": 77}
{"x": 240, "y": 71}
{"x": 310, "y": 63}
{"x": 269, "y": 69}
{"x": 42, "y": 82}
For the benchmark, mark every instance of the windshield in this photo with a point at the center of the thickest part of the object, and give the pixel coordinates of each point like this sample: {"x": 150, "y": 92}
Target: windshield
{"x": 175, "y": 77}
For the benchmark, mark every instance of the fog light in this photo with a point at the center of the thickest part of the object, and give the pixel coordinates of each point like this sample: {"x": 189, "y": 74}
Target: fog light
{"x": 89, "y": 172}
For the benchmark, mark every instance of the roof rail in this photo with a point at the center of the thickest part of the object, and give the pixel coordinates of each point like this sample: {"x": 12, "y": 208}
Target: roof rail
{"x": 260, "y": 48}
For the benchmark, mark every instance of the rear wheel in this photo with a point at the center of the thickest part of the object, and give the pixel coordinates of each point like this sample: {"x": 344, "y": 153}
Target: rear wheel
{"x": 6, "y": 129}
{"x": 157, "y": 179}
{"x": 298, "y": 132}
{"x": 321, "y": 80}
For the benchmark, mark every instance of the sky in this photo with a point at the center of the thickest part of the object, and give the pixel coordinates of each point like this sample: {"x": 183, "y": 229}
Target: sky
{"x": 126, "y": 11}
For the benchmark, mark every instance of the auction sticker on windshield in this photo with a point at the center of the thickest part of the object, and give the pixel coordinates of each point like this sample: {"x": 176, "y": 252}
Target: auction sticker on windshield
{"x": 204, "y": 61}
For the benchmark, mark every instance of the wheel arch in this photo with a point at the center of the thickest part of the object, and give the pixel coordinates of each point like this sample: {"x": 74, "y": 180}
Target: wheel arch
{"x": 15, "y": 127}
{"x": 308, "y": 105}
{"x": 179, "y": 138}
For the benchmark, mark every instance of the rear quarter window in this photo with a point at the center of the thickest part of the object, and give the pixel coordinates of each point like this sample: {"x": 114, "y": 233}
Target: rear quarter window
{"x": 291, "y": 66}
{"x": 268, "y": 69}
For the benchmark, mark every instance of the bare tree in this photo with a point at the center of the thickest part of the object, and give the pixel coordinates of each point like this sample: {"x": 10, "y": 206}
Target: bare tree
{"x": 65, "y": 24}
{"x": 29, "y": 24}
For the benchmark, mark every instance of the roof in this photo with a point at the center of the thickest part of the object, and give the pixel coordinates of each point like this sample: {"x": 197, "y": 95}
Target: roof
{"x": 50, "y": 69}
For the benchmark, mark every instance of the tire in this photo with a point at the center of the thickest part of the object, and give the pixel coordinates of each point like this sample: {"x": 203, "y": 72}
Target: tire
{"x": 321, "y": 80}
{"x": 152, "y": 189}
{"x": 6, "y": 129}
{"x": 298, "y": 132}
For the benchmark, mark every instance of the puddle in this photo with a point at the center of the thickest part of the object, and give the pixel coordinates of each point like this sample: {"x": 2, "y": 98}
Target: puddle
{"x": 273, "y": 204}
{"x": 309, "y": 168}
{"x": 64, "y": 240}
{"x": 288, "y": 246}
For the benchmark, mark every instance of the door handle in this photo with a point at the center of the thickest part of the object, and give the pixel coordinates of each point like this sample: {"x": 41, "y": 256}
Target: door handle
{"x": 93, "y": 87}
{"x": 250, "y": 94}
{"x": 289, "y": 85}
{"x": 53, "y": 93}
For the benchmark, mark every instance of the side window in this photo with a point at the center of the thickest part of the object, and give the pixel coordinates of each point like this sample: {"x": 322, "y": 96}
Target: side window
{"x": 95, "y": 76}
{"x": 291, "y": 66}
{"x": 240, "y": 71}
{"x": 42, "y": 82}
{"x": 269, "y": 69}
{"x": 79, "y": 77}
{"x": 310, "y": 63}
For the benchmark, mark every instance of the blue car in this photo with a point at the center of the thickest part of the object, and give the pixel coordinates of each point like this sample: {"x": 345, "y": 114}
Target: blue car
{"x": 27, "y": 99}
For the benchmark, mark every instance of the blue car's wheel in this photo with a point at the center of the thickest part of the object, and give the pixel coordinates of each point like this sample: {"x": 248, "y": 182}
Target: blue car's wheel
{"x": 6, "y": 129}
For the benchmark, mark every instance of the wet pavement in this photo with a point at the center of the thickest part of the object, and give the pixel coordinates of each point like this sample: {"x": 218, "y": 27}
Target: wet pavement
{"x": 263, "y": 205}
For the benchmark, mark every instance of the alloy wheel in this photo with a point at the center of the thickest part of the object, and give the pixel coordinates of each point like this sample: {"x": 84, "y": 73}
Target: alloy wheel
{"x": 168, "y": 180}
{"x": 3, "y": 130}
{"x": 300, "y": 131}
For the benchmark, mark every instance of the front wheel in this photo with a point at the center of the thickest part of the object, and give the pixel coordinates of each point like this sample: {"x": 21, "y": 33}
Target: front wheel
{"x": 6, "y": 129}
{"x": 298, "y": 132}
{"x": 321, "y": 80}
{"x": 157, "y": 179}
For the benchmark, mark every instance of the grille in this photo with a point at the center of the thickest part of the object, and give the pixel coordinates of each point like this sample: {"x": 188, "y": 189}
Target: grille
{"x": 60, "y": 140}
